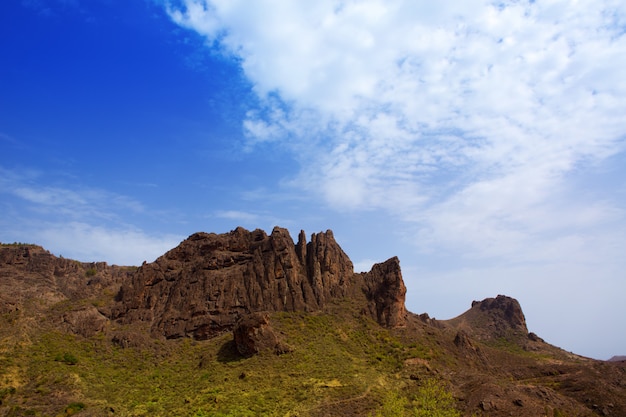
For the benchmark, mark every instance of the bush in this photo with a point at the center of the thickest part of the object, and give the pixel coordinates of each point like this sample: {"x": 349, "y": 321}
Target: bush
{"x": 434, "y": 400}
{"x": 393, "y": 405}
{"x": 66, "y": 358}
{"x": 73, "y": 408}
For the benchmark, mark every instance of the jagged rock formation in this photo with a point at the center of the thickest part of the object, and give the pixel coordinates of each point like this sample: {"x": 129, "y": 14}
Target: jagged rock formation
{"x": 237, "y": 281}
{"x": 386, "y": 292}
{"x": 200, "y": 288}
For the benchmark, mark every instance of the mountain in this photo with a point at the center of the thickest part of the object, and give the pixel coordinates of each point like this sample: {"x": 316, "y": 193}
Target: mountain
{"x": 202, "y": 287}
{"x": 246, "y": 323}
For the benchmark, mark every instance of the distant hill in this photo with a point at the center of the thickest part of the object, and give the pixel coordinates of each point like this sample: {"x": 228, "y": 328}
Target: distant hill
{"x": 621, "y": 358}
{"x": 245, "y": 324}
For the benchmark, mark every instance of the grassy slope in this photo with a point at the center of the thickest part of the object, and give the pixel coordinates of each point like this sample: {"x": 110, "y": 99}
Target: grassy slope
{"x": 342, "y": 363}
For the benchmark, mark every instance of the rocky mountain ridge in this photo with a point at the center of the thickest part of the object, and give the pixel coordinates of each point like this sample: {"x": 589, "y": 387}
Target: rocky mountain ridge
{"x": 201, "y": 288}
{"x": 249, "y": 284}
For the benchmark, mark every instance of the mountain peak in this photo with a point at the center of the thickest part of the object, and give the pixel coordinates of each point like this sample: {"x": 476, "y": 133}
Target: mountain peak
{"x": 201, "y": 287}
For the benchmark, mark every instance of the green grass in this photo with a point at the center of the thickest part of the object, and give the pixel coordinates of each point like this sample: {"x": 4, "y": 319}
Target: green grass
{"x": 337, "y": 361}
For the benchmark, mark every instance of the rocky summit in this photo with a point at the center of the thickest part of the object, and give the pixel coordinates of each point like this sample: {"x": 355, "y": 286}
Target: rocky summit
{"x": 202, "y": 287}
{"x": 245, "y": 323}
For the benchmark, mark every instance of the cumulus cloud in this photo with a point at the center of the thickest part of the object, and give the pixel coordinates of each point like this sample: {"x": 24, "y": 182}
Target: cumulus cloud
{"x": 462, "y": 119}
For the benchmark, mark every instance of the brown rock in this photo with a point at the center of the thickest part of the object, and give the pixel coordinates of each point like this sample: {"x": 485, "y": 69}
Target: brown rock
{"x": 86, "y": 321}
{"x": 506, "y": 308}
{"x": 386, "y": 292}
{"x": 254, "y": 334}
{"x": 462, "y": 340}
{"x": 200, "y": 288}
{"x": 29, "y": 272}
{"x": 493, "y": 318}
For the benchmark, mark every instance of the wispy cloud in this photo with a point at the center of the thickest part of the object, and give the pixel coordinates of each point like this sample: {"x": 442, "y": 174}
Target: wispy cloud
{"x": 75, "y": 203}
{"x": 242, "y": 216}
{"x": 8, "y": 139}
{"x": 88, "y": 224}
{"x": 86, "y": 242}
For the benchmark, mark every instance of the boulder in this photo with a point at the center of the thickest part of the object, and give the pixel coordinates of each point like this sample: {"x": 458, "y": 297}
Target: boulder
{"x": 254, "y": 334}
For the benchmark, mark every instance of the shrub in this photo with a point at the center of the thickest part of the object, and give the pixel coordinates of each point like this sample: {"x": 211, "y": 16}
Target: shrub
{"x": 74, "y": 408}
{"x": 66, "y": 358}
{"x": 393, "y": 405}
{"x": 434, "y": 400}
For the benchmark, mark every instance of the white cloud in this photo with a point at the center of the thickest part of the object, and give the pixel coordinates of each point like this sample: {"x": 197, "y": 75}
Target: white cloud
{"x": 89, "y": 243}
{"x": 237, "y": 215}
{"x": 477, "y": 109}
{"x": 87, "y": 224}
{"x": 74, "y": 203}
{"x": 470, "y": 122}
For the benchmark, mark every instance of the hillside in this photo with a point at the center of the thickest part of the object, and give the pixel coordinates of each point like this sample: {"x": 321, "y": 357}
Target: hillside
{"x": 247, "y": 324}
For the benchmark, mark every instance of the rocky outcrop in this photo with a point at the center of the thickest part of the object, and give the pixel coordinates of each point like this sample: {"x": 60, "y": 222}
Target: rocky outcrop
{"x": 202, "y": 287}
{"x": 29, "y": 272}
{"x": 254, "y": 334}
{"x": 85, "y": 321}
{"x": 493, "y": 318}
{"x": 505, "y": 312}
{"x": 386, "y": 292}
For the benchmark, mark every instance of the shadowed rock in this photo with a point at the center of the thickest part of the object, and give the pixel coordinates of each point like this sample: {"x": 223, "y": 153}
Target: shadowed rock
{"x": 386, "y": 293}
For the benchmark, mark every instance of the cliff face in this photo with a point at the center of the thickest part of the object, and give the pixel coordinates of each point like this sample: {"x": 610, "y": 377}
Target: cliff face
{"x": 202, "y": 287}
{"x": 386, "y": 293}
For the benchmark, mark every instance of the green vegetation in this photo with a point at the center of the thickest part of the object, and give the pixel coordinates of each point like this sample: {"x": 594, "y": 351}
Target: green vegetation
{"x": 74, "y": 408}
{"x": 66, "y": 358}
{"x": 434, "y": 400}
{"x": 431, "y": 400}
{"x": 338, "y": 362}
{"x": 5, "y": 392}
{"x": 91, "y": 272}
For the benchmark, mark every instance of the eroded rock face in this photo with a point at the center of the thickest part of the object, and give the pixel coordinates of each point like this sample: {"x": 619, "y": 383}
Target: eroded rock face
{"x": 201, "y": 288}
{"x": 386, "y": 292}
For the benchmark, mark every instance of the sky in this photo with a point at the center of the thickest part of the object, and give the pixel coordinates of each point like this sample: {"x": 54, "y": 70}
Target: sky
{"x": 481, "y": 142}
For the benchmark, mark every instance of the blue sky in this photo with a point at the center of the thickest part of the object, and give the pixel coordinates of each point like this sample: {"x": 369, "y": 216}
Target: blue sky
{"x": 481, "y": 142}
